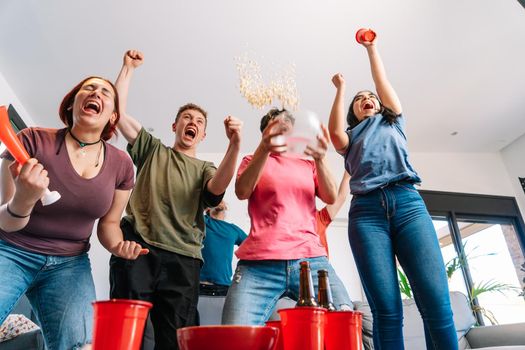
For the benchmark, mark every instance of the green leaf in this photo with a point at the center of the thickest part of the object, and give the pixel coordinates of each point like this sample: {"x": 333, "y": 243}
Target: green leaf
{"x": 404, "y": 286}
{"x": 491, "y": 286}
{"x": 460, "y": 261}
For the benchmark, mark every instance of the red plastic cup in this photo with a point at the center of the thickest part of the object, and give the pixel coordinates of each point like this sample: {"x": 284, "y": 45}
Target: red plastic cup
{"x": 227, "y": 337}
{"x": 277, "y": 324}
{"x": 303, "y": 328}
{"x": 119, "y": 324}
{"x": 365, "y": 34}
{"x": 343, "y": 330}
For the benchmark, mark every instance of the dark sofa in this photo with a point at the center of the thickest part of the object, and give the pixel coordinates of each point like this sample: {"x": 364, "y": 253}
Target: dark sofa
{"x": 27, "y": 341}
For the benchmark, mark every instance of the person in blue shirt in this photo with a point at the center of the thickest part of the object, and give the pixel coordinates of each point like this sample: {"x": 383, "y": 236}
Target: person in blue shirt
{"x": 217, "y": 251}
{"x": 388, "y": 218}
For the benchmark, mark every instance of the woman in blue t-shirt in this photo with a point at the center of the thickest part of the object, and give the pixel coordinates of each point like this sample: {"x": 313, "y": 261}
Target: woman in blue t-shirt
{"x": 388, "y": 218}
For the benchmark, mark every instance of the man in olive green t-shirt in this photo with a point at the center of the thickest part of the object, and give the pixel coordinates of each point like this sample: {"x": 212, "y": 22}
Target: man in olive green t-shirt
{"x": 166, "y": 212}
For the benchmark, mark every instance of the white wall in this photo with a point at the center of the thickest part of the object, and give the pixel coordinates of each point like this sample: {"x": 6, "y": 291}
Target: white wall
{"x": 481, "y": 173}
{"x": 8, "y": 96}
{"x": 514, "y": 159}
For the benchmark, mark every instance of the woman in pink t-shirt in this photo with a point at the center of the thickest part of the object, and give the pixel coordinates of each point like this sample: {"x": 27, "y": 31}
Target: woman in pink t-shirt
{"x": 43, "y": 249}
{"x": 281, "y": 192}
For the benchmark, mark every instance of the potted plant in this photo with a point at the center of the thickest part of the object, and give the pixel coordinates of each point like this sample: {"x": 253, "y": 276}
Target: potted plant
{"x": 488, "y": 287}
{"x": 479, "y": 288}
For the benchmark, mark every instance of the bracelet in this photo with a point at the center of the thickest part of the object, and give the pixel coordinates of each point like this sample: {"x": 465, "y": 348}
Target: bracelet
{"x": 16, "y": 215}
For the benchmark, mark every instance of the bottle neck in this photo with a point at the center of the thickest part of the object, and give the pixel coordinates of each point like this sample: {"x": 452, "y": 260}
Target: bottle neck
{"x": 306, "y": 288}
{"x": 325, "y": 293}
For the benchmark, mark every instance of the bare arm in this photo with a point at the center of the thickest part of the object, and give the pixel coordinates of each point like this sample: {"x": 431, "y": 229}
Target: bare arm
{"x": 326, "y": 184}
{"x": 220, "y": 181}
{"x": 247, "y": 181}
{"x": 384, "y": 89}
{"x": 110, "y": 234}
{"x": 337, "y": 123}
{"x": 342, "y": 193}
{"x": 20, "y": 190}
{"x": 127, "y": 125}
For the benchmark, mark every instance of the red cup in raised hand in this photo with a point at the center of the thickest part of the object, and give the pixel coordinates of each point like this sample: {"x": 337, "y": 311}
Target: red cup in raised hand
{"x": 365, "y": 34}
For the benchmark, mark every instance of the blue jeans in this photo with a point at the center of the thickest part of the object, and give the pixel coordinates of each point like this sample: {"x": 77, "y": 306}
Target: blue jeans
{"x": 258, "y": 284}
{"x": 60, "y": 290}
{"x": 393, "y": 222}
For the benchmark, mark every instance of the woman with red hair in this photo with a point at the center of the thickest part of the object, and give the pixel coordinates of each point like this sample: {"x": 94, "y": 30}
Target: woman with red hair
{"x": 43, "y": 249}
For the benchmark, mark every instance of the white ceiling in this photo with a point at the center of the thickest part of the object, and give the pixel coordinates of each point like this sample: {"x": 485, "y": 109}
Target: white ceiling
{"x": 458, "y": 66}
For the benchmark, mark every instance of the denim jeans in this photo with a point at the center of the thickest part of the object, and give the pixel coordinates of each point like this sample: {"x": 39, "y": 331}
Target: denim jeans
{"x": 258, "y": 285}
{"x": 393, "y": 222}
{"x": 60, "y": 290}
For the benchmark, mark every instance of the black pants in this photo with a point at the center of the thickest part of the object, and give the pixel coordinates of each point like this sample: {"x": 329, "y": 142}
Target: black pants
{"x": 168, "y": 280}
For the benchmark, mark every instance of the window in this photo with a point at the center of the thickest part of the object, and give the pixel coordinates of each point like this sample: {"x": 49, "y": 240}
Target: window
{"x": 482, "y": 242}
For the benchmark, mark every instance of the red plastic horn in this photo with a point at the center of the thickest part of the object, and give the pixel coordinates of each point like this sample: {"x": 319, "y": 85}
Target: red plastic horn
{"x": 17, "y": 150}
{"x": 9, "y": 139}
{"x": 365, "y": 34}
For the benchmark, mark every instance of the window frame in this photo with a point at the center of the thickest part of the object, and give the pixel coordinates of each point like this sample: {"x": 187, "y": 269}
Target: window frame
{"x": 454, "y": 206}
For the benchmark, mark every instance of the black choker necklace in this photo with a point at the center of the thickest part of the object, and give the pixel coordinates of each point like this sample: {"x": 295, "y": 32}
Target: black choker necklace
{"x": 81, "y": 143}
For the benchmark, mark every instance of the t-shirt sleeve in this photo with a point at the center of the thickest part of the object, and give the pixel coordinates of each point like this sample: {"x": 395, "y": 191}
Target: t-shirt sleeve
{"x": 126, "y": 179}
{"x": 244, "y": 164}
{"x": 241, "y": 235}
{"x": 144, "y": 145}
{"x": 323, "y": 217}
{"x": 350, "y": 139}
{"x": 209, "y": 199}
{"x": 400, "y": 124}
{"x": 27, "y": 138}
